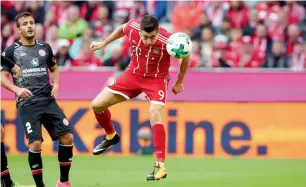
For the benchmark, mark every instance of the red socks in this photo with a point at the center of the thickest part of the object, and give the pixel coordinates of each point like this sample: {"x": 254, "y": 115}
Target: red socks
{"x": 159, "y": 139}
{"x": 104, "y": 119}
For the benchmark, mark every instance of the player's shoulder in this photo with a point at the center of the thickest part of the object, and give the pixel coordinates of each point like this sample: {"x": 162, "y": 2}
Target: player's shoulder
{"x": 164, "y": 33}
{"x": 10, "y": 49}
{"x": 134, "y": 23}
{"x": 42, "y": 43}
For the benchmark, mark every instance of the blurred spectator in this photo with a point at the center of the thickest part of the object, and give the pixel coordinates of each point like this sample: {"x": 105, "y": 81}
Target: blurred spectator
{"x": 40, "y": 32}
{"x": 87, "y": 57}
{"x": 116, "y": 58}
{"x": 294, "y": 11}
{"x": 74, "y": 26}
{"x": 37, "y": 12}
{"x": 223, "y": 55}
{"x": 101, "y": 22}
{"x": 250, "y": 57}
{"x": 293, "y": 34}
{"x": 61, "y": 10}
{"x": 261, "y": 41}
{"x": 157, "y": 8}
{"x": 297, "y": 60}
{"x": 138, "y": 10}
{"x": 250, "y": 28}
{"x": 181, "y": 20}
{"x": 206, "y": 46}
{"x": 303, "y": 28}
{"x": 267, "y": 9}
{"x": 204, "y": 22}
{"x": 226, "y": 27}
{"x": 216, "y": 14}
{"x": 76, "y": 46}
{"x": 50, "y": 19}
{"x": 7, "y": 38}
{"x": 277, "y": 25}
{"x": 89, "y": 10}
{"x": 195, "y": 56}
{"x": 278, "y": 58}
{"x": 51, "y": 38}
{"x": 62, "y": 56}
{"x": 8, "y": 12}
{"x": 237, "y": 14}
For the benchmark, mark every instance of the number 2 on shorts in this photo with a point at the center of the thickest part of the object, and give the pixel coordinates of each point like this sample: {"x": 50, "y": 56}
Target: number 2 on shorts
{"x": 28, "y": 126}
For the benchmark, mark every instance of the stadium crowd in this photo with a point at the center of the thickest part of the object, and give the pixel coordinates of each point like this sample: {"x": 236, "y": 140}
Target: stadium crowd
{"x": 246, "y": 34}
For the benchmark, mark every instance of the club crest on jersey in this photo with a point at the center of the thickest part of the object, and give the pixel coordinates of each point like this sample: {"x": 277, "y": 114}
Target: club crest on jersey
{"x": 35, "y": 62}
{"x": 155, "y": 51}
{"x": 42, "y": 52}
{"x": 3, "y": 54}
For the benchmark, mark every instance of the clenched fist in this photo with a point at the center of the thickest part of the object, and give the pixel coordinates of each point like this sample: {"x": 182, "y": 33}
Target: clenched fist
{"x": 96, "y": 45}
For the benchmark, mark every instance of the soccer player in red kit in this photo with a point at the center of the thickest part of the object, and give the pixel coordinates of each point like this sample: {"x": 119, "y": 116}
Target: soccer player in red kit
{"x": 148, "y": 72}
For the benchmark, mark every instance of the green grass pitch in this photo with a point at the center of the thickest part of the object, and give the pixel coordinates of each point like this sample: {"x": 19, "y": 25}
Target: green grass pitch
{"x": 116, "y": 171}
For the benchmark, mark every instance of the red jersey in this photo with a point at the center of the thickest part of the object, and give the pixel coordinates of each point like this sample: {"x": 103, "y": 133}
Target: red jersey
{"x": 148, "y": 61}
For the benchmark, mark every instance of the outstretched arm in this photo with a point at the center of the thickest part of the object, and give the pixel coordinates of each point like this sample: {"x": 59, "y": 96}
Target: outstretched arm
{"x": 118, "y": 33}
{"x": 178, "y": 85}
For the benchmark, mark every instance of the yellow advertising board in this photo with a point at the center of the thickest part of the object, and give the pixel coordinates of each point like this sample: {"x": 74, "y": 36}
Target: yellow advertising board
{"x": 267, "y": 130}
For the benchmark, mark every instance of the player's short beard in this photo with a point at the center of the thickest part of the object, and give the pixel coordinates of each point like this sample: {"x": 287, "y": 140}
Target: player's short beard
{"x": 29, "y": 37}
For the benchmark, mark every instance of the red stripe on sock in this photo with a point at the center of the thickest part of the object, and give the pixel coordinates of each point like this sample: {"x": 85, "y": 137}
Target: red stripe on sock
{"x": 159, "y": 139}
{"x": 38, "y": 171}
{"x": 105, "y": 121}
{"x": 4, "y": 172}
{"x": 65, "y": 163}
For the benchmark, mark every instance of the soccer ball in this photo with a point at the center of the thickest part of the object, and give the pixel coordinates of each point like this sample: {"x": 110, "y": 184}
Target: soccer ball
{"x": 179, "y": 45}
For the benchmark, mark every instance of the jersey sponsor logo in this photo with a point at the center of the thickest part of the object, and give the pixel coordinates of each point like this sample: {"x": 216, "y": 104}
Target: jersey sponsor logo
{"x": 65, "y": 122}
{"x": 155, "y": 51}
{"x": 54, "y": 60}
{"x": 42, "y": 52}
{"x": 35, "y": 62}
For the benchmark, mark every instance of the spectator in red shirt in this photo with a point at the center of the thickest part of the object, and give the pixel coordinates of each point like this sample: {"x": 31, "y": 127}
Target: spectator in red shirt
{"x": 89, "y": 10}
{"x": 216, "y": 13}
{"x": 293, "y": 33}
{"x": 223, "y": 55}
{"x": 261, "y": 41}
{"x": 295, "y": 12}
{"x": 278, "y": 25}
{"x": 7, "y": 38}
{"x": 249, "y": 56}
{"x": 87, "y": 57}
{"x": 238, "y": 14}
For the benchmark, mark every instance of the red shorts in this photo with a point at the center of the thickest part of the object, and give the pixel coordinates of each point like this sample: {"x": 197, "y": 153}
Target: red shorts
{"x": 129, "y": 86}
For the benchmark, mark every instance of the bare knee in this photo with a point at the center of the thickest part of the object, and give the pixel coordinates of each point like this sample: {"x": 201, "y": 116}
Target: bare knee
{"x": 156, "y": 114}
{"x": 97, "y": 105}
{"x": 2, "y": 134}
{"x": 36, "y": 145}
{"x": 66, "y": 139}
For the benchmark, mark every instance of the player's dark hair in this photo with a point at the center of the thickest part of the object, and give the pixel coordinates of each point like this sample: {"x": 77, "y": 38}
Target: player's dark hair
{"x": 22, "y": 15}
{"x": 149, "y": 23}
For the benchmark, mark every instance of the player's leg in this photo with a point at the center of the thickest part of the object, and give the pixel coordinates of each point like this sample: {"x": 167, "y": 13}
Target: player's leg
{"x": 30, "y": 116}
{"x": 5, "y": 174}
{"x": 58, "y": 127}
{"x": 156, "y": 90}
{"x": 121, "y": 90}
